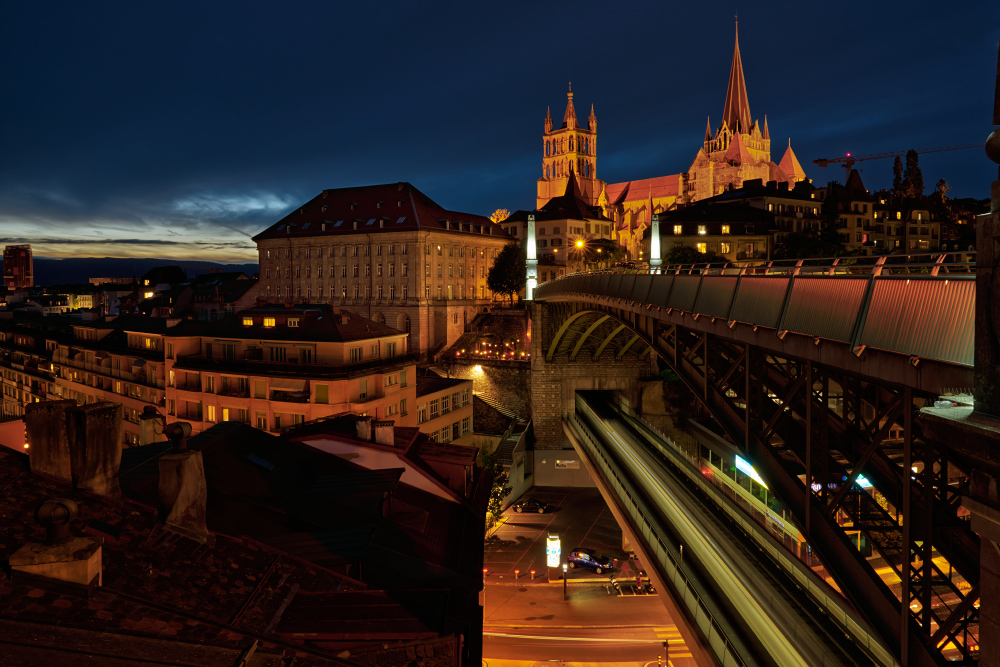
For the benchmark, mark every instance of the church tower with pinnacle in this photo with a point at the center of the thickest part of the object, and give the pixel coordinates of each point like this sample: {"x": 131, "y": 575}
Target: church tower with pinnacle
{"x": 569, "y": 149}
{"x": 739, "y": 149}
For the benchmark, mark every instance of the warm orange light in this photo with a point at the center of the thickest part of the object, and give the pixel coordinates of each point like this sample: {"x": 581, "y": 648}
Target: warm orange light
{"x": 579, "y": 244}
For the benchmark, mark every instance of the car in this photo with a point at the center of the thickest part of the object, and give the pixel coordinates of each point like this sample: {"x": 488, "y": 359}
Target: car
{"x": 583, "y": 557}
{"x": 626, "y": 264}
{"x": 530, "y": 505}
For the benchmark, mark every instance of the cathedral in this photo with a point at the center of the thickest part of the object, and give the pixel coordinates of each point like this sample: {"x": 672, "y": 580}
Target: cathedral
{"x": 738, "y": 150}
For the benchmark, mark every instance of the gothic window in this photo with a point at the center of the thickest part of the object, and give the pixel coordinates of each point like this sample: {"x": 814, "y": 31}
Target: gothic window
{"x": 546, "y": 171}
{"x": 586, "y": 146}
{"x": 571, "y": 143}
{"x": 548, "y": 148}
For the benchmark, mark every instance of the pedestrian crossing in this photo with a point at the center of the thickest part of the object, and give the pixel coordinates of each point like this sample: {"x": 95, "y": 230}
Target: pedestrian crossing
{"x": 676, "y": 648}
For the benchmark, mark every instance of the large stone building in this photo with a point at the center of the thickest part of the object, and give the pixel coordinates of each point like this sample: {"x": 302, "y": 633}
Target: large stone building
{"x": 388, "y": 252}
{"x": 737, "y": 150}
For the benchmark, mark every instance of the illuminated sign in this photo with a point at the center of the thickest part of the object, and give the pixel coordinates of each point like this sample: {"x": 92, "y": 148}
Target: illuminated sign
{"x": 744, "y": 466}
{"x": 863, "y": 482}
{"x": 553, "y": 548}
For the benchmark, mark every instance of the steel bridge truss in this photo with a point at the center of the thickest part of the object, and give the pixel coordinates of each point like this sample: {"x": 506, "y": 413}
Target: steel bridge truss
{"x": 820, "y": 436}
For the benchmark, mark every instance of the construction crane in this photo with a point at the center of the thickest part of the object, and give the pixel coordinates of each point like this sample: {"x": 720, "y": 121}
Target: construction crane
{"x": 849, "y": 160}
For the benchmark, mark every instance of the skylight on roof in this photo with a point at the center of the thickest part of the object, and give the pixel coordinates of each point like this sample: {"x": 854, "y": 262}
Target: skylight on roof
{"x": 371, "y": 222}
{"x": 280, "y": 227}
{"x": 401, "y": 220}
{"x": 305, "y": 226}
{"x": 338, "y": 223}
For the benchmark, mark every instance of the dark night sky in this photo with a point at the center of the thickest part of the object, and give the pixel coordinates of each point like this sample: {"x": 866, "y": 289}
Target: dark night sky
{"x": 178, "y": 129}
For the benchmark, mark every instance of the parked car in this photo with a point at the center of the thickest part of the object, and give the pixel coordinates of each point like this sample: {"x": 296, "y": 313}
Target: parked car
{"x": 581, "y": 557}
{"x": 530, "y": 505}
{"x": 625, "y": 264}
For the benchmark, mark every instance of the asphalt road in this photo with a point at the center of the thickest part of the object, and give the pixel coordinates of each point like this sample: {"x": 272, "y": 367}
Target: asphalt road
{"x": 528, "y": 621}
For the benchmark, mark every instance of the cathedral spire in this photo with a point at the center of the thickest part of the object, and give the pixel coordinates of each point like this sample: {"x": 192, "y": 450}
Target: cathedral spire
{"x": 708, "y": 129}
{"x": 548, "y": 119}
{"x": 767, "y": 135}
{"x": 737, "y": 109}
{"x": 569, "y": 119}
{"x": 592, "y": 120}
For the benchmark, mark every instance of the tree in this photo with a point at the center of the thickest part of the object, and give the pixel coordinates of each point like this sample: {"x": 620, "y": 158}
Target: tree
{"x": 897, "y": 177}
{"x": 508, "y": 273}
{"x": 913, "y": 178}
{"x": 689, "y": 255}
{"x": 942, "y": 189}
{"x": 499, "y": 215}
{"x": 499, "y": 489}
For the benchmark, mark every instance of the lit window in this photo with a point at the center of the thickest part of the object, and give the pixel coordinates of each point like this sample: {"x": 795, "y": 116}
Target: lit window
{"x": 678, "y": 229}
{"x": 268, "y": 321}
{"x": 702, "y": 247}
{"x": 148, "y": 295}
{"x": 702, "y": 229}
{"x": 725, "y": 229}
{"x": 725, "y": 248}
{"x": 293, "y": 321}
{"x": 247, "y": 321}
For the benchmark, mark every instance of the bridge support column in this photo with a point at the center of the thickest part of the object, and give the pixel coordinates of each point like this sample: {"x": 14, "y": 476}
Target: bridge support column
{"x": 977, "y": 435}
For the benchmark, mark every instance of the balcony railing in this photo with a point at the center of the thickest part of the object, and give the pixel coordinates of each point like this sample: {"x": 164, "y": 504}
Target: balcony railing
{"x": 270, "y": 368}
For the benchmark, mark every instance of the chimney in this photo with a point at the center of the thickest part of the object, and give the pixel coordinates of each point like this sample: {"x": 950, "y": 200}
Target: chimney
{"x": 364, "y": 428}
{"x": 183, "y": 490}
{"x": 63, "y": 556}
{"x": 384, "y": 429}
{"x": 78, "y": 445}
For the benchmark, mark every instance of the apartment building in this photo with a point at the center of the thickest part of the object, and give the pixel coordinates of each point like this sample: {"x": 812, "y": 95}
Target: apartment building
{"x": 444, "y": 409}
{"x": 276, "y": 366}
{"x": 388, "y": 252}
{"x": 18, "y": 267}
{"x": 734, "y": 232}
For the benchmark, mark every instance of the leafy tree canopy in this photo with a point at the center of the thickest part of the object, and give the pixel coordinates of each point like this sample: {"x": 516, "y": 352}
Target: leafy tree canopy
{"x": 690, "y": 255}
{"x": 507, "y": 275}
{"x": 499, "y": 215}
{"x": 499, "y": 490}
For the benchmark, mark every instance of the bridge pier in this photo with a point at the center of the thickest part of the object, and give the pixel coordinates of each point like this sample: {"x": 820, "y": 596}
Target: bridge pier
{"x": 976, "y": 433}
{"x": 554, "y": 384}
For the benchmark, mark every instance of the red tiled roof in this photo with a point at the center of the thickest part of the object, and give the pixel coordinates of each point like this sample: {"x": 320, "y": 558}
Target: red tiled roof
{"x": 642, "y": 189}
{"x": 790, "y": 165}
{"x": 737, "y": 152}
{"x": 376, "y": 209}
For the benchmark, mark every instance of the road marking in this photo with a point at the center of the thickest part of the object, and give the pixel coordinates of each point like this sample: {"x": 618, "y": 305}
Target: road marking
{"x": 572, "y": 639}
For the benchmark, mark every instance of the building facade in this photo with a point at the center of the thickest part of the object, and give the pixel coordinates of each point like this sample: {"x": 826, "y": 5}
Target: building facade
{"x": 569, "y": 150}
{"x": 18, "y": 267}
{"x": 388, "y": 252}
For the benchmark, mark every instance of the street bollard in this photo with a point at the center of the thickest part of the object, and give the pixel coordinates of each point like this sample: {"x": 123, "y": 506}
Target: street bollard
{"x": 517, "y": 574}
{"x": 532, "y": 575}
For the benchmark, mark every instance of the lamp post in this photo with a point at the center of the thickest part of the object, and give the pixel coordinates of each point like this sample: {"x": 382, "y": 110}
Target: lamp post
{"x": 565, "y": 597}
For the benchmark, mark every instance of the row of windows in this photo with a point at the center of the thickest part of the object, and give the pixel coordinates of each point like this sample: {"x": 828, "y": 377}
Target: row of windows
{"x": 703, "y": 229}
{"x": 557, "y": 146}
{"x": 443, "y": 406}
{"x": 335, "y": 251}
{"x": 453, "y": 432}
{"x": 381, "y": 292}
{"x": 565, "y": 167}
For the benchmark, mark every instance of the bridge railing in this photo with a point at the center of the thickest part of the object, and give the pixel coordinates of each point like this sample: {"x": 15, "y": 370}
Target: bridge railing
{"x": 917, "y": 309}
{"x": 699, "y": 612}
{"x": 903, "y": 264}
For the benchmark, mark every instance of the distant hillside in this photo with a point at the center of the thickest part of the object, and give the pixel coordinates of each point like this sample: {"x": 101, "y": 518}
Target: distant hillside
{"x": 81, "y": 270}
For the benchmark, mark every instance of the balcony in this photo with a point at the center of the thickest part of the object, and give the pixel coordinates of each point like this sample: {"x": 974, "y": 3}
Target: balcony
{"x": 269, "y": 368}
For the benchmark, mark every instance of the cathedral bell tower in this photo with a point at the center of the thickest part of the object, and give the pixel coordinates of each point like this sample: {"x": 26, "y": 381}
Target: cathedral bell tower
{"x": 569, "y": 149}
